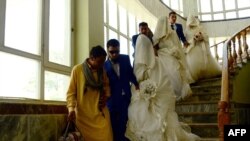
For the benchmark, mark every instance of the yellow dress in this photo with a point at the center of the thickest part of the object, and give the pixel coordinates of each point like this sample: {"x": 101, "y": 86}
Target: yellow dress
{"x": 93, "y": 124}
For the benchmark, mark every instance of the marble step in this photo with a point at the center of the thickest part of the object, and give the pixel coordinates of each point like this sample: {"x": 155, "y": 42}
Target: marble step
{"x": 198, "y": 117}
{"x": 203, "y": 117}
{"x": 209, "y": 82}
{"x": 203, "y": 97}
{"x": 206, "y": 88}
{"x": 209, "y": 139}
{"x": 205, "y": 130}
{"x": 196, "y": 106}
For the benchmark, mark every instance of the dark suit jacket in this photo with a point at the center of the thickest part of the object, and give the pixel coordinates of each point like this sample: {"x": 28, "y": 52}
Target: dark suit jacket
{"x": 134, "y": 38}
{"x": 179, "y": 31}
{"x": 119, "y": 85}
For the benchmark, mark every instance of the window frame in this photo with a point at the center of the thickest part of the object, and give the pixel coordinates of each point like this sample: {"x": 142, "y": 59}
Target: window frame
{"x": 224, "y": 11}
{"x": 43, "y": 58}
{"x": 108, "y": 27}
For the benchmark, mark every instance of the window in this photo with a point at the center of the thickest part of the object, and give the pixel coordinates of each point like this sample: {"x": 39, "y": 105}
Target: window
{"x": 205, "y": 6}
{"x": 214, "y": 9}
{"x": 219, "y": 16}
{"x": 230, "y": 4}
{"x": 121, "y": 25}
{"x": 121, "y": 21}
{"x": 217, "y": 5}
{"x": 23, "y": 25}
{"x": 176, "y": 5}
{"x": 230, "y": 15}
{"x": 112, "y": 13}
{"x": 244, "y": 13}
{"x": 223, "y": 9}
{"x": 243, "y": 3}
{"x": 35, "y": 49}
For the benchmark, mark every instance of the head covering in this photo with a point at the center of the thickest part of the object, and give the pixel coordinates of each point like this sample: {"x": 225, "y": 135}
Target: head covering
{"x": 161, "y": 29}
{"x": 144, "y": 51}
{"x": 192, "y": 21}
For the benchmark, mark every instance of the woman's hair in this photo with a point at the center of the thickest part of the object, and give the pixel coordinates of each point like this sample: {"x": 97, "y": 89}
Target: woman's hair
{"x": 97, "y": 51}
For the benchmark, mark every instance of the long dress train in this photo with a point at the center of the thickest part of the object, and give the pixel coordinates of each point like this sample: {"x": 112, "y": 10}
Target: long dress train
{"x": 151, "y": 113}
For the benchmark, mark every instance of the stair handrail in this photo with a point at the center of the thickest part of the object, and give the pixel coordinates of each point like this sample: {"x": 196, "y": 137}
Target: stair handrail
{"x": 229, "y": 63}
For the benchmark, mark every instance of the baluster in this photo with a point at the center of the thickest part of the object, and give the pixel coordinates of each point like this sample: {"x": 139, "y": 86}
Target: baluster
{"x": 234, "y": 53}
{"x": 216, "y": 52}
{"x": 230, "y": 59}
{"x": 245, "y": 45}
{"x": 239, "y": 49}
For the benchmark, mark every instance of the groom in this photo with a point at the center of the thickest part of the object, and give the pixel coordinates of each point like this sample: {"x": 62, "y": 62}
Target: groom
{"x": 178, "y": 28}
{"x": 120, "y": 74}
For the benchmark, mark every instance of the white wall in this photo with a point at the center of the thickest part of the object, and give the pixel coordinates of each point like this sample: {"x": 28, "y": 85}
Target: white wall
{"x": 225, "y": 28}
{"x": 214, "y": 29}
{"x": 89, "y": 29}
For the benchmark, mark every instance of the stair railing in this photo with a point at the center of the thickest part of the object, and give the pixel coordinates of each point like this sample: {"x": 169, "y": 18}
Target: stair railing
{"x": 216, "y": 46}
{"x": 235, "y": 53}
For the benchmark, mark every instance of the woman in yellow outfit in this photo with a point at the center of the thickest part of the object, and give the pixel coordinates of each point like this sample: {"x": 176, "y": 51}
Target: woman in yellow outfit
{"x": 86, "y": 97}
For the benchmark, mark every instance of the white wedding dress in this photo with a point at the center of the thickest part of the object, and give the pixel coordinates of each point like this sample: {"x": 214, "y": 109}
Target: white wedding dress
{"x": 170, "y": 49}
{"x": 154, "y": 118}
{"x": 201, "y": 63}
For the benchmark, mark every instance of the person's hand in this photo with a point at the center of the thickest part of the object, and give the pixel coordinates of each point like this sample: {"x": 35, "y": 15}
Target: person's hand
{"x": 72, "y": 116}
{"x": 137, "y": 87}
{"x": 156, "y": 47}
{"x": 186, "y": 44}
{"x": 102, "y": 101}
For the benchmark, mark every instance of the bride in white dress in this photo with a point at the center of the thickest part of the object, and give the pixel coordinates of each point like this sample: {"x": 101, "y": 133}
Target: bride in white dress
{"x": 170, "y": 49}
{"x": 201, "y": 63}
{"x": 151, "y": 113}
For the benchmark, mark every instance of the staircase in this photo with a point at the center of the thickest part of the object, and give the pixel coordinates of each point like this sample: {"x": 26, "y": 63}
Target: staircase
{"x": 200, "y": 110}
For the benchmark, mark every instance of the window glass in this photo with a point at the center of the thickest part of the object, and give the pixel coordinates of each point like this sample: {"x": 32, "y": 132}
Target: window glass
{"x": 113, "y": 13}
{"x": 112, "y": 34}
{"x": 181, "y": 7}
{"x": 20, "y": 77}
{"x": 244, "y": 13}
{"x": 104, "y": 12}
{"x": 230, "y": 15}
{"x": 132, "y": 25}
{"x": 229, "y": 4}
{"x": 123, "y": 45}
{"x": 217, "y": 5}
{"x": 243, "y": 3}
{"x": 174, "y": 4}
{"x": 206, "y": 17}
{"x": 56, "y": 86}
{"x": 59, "y": 32}
{"x": 218, "y": 16}
{"x": 23, "y": 25}
{"x": 123, "y": 20}
{"x": 205, "y": 6}
{"x": 105, "y": 37}
{"x": 167, "y": 2}
{"x": 37, "y": 34}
